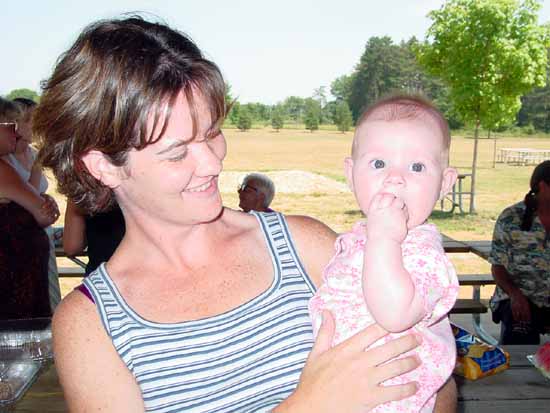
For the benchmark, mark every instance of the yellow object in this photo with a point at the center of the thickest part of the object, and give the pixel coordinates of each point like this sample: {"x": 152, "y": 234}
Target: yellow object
{"x": 475, "y": 358}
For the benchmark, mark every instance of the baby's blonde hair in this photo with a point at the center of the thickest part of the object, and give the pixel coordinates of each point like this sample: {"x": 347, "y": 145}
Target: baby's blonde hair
{"x": 404, "y": 107}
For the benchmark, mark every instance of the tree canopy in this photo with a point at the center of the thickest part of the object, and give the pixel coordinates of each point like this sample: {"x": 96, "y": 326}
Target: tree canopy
{"x": 489, "y": 53}
{"x": 23, "y": 93}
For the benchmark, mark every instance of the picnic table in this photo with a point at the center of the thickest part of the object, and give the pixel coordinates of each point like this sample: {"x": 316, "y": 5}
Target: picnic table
{"x": 458, "y": 196}
{"x": 520, "y": 389}
{"x": 522, "y": 156}
{"x": 474, "y": 306}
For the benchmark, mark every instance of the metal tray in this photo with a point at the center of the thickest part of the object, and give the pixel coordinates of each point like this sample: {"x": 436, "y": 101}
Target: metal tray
{"x": 26, "y": 339}
{"x": 16, "y": 376}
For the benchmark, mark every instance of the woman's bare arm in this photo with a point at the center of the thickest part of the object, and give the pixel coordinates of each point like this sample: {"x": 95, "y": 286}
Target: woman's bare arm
{"x": 74, "y": 231}
{"x": 93, "y": 377}
{"x": 12, "y": 187}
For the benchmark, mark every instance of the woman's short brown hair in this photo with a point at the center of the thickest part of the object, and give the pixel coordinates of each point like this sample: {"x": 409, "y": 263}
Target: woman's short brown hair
{"x": 9, "y": 111}
{"x": 105, "y": 89}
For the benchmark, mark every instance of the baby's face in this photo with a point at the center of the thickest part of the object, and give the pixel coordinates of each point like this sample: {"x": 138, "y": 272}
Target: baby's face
{"x": 406, "y": 158}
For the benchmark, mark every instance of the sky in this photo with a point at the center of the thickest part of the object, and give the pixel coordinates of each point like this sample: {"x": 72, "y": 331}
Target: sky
{"x": 266, "y": 50}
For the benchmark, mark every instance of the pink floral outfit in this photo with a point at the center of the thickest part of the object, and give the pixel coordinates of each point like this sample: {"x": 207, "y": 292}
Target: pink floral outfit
{"x": 434, "y": 277}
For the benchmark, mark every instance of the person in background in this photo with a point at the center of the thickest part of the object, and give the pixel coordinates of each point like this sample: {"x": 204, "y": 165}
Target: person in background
{"x": 24, "y": 162}
{"x": 256, "y": 193}
{"x": 201, "y": 307}
{"x": 520, "y": 264}
{"x": 100, "y": 233}
{"x": 24, "y": 245}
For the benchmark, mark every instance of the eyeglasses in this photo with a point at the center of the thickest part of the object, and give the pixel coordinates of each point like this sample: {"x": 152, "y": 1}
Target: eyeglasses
{"x": 10, "y": 126}
{"x": 246, "y": 188}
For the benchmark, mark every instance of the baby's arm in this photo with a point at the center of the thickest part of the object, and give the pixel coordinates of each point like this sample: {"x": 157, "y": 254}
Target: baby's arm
{"x": 389, "y": 291}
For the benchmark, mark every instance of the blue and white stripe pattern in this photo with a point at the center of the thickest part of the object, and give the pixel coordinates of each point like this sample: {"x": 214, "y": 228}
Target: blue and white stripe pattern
{"x": 248, "y": 359}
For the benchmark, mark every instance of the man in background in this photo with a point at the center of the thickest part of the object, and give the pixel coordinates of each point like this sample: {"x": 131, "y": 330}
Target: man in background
{"x": 256, "y": 193}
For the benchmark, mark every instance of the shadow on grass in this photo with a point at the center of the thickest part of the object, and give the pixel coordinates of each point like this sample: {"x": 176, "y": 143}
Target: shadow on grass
{"x": 354, "y": 213}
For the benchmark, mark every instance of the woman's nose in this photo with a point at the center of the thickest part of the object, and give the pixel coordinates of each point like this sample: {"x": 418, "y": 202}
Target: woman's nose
{"x": 208, "y": 160}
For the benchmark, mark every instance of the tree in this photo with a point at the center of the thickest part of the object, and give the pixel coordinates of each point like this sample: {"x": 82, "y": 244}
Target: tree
{"x": 535, "y": 106}
{"x": 23, "y": 93}
{"x": 377, "y": 74}
{"x": 340, "y": 88}
{"x": 312, "y": 114}
{"x": 294, "y": 106}
{"x": 244, "y": 122}
{"x": 489, "y": 53}
{"x": 277, "y": 118}
{"x": 320, "y": 95}
{"x": 235, "y": 113}
{"x": 342, "y": 116}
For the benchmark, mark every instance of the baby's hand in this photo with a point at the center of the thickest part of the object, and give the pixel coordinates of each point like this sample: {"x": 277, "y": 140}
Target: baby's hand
{"x": 387, "y": 218}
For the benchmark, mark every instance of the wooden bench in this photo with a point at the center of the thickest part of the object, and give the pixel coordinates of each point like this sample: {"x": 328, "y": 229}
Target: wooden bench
{"x": 468, "y": 306}
{"x": 475, "y": 305}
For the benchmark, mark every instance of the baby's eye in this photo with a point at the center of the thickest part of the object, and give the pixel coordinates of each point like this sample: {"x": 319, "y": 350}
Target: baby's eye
{"x": 377, "y": 163}
{"x": 418, "y": 167}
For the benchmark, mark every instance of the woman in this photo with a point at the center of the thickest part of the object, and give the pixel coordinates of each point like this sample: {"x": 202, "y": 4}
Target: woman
{"x": 520, "y": 260}
{"x": 23, "y": 160}
{"x": 24, "y": 247}
{"x": 200, "y": 308}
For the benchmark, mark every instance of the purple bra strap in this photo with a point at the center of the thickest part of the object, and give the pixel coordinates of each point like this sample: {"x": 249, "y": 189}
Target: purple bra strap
{"x": 84, "y": 290}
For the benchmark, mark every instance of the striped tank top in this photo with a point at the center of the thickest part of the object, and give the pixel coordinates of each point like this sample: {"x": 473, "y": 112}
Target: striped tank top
{"x": 247, "y": 359}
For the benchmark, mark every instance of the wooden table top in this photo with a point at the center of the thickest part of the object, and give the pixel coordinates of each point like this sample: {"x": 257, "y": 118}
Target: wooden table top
{"x": 519, "y": 389}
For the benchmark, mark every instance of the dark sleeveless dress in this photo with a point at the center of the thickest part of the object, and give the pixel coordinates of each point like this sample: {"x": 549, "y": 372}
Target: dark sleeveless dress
{"x": 24, "y": 254}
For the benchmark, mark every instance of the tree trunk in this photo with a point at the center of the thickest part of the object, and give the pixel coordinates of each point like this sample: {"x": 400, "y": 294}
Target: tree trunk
{"x": 474, "y": 167}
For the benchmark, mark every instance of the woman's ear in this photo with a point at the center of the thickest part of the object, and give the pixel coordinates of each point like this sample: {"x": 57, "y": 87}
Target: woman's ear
{"x": 348, "y": 171}
{"x": 102, "y": 169}
{"x": 449, "y": 178}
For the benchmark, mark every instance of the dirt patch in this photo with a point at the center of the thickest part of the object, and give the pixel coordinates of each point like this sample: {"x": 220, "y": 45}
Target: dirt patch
{"x": 301, "y": 182}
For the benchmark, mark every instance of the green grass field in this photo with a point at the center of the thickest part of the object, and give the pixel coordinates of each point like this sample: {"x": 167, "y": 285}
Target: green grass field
{"x": 323, "y": 152}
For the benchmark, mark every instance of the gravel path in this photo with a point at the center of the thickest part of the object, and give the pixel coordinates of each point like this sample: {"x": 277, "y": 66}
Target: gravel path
{"x": 287, "y": 182}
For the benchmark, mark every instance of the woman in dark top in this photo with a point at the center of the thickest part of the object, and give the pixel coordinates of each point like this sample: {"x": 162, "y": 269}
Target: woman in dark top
{"x": 101, "y": 233}
{"x": 24, "y": 245}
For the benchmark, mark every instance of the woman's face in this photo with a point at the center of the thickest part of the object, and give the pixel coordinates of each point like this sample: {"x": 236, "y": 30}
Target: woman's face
{"x": 176, "y": 180}
{"x": 25, "y": 132}
{"x": 8, "y": 137}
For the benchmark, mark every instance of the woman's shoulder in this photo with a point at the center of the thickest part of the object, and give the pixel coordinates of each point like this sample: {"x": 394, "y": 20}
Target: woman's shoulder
{"x": 315, "y": 243}
{"x": 303, "y": 225}
{"x": 73, "y": 309}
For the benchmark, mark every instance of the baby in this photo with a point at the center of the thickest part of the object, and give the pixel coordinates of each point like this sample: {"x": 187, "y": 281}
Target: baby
{"x": 392, "y": 269}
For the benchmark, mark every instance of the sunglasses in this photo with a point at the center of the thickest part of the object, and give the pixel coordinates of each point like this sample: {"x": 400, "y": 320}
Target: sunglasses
{"x": 244, "y": 187}
{"x": 9, "y": 126}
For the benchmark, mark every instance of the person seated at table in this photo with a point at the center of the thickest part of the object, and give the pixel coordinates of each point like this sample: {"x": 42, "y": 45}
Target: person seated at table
{"x": 201, "y": 307}
{"x": 24, "y": 246}
{"x": 256, "y": 193}
{"x": 520, "y": 258}
{"x": 24, "y": 162}
{"x": 100, "y": 233}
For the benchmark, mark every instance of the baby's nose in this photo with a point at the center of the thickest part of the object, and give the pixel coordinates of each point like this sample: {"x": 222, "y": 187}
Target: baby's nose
{"x": 394, "y": 177}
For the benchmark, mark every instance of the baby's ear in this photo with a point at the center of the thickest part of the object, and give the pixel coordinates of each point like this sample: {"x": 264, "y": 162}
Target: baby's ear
{"x": 348, "y": 171}
{"x": 102, "y": 169}
{"x": 449, "y": 179}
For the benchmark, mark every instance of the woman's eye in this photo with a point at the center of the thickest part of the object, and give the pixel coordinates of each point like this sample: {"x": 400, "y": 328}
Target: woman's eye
{"x": 178, "y": 157}
{"x": 418, "y": 167}
{"x": 378, "y": 163}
